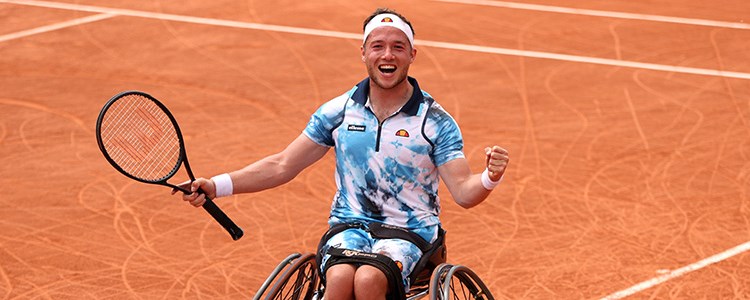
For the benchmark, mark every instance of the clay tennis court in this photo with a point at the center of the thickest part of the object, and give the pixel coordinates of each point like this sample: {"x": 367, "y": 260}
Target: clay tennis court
{"x": 628, "y": 124}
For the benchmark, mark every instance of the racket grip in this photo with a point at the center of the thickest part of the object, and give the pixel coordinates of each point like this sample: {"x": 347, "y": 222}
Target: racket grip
{"x": 219, "y": 215}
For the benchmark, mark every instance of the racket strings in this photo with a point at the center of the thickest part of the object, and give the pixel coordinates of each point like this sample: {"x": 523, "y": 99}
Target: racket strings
{"x": 140, "y": 137}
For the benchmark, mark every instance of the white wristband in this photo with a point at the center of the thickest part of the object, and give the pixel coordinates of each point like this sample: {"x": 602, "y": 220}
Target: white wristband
{"x": 223, "y": 185}
{"x": 487, "y": 182}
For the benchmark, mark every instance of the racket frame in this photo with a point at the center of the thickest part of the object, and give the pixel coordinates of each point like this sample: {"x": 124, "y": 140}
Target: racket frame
{"x": 234, "y": 231}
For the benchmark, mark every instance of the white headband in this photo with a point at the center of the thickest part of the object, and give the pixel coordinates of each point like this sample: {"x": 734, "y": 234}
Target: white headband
{"x": 389, "y": 20}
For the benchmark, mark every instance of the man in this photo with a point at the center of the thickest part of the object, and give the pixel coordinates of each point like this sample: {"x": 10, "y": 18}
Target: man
{"x": 391, "y": 140}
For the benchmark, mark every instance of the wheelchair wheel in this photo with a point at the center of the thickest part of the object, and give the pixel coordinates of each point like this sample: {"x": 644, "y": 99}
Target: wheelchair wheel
{"x": 298, "y": 279}
{"x": 457, "y": 282}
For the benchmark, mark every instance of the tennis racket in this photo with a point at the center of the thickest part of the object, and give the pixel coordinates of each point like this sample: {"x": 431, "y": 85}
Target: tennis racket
{"x": 140, "y": 138}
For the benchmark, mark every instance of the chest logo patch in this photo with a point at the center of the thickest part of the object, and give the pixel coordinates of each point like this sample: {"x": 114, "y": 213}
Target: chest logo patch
{"x": 354, "y": 127}
{"x": 402, "y": 133}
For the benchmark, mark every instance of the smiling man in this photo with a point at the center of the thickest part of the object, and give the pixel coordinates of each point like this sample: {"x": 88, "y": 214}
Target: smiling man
{"x": 393, "y": 143}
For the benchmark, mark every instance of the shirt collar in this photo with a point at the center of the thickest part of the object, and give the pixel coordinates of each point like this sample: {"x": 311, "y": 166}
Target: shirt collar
{"x": 361, "y": 94}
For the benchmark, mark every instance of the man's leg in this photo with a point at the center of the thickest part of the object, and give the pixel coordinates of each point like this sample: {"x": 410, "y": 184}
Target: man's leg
{"x": 340, "y": 282}
{"x": 340, "y": 278}
{"x": 403, "y": 253}
{"x": 370, "y": 283}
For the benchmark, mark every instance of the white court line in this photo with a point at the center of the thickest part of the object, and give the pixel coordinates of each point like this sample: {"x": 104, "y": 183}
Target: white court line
{"x": 603, "y": 13}
{"x": 56, "y": 26}
{"x": 679, "y": 272}
{"x": 109, "y": 12}
{"x": 345, "y": 35}
{"x": 355, "y": 36}
{"x": 186, "y": 19}
{"x": 586, "y": 59}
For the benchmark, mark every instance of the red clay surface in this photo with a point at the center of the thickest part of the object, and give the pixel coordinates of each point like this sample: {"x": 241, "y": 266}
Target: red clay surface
{"x": 617, "y": 174}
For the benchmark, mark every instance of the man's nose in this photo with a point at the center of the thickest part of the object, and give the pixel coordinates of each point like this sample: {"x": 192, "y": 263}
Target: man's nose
{"x": 388, "y": 53}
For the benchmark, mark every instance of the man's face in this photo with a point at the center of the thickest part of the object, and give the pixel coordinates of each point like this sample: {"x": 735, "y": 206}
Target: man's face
{"x": 387, "y": 54}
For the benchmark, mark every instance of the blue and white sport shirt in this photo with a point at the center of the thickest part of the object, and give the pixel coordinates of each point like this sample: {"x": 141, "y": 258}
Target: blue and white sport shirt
{"x": 387, "y": 172}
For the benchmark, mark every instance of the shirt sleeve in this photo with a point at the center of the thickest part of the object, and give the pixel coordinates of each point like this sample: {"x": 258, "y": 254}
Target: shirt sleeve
{"x": 325, "y": 120}
{"x": 448, "y": 141}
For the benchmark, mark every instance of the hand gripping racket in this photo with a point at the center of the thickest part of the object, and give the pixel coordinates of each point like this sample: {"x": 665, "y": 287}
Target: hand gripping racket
{"x": 140, "y": 138}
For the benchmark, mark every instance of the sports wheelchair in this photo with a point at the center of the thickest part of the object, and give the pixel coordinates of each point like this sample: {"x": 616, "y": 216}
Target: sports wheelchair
{"x": 298, "y": 276}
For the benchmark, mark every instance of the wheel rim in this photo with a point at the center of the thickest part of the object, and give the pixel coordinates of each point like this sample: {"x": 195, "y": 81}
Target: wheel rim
{"x": 457, "y": 282}
{"x": 298, "y": 281}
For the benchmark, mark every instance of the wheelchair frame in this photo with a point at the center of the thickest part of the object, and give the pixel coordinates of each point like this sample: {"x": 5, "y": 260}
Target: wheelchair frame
{"x": 297, "y": 277}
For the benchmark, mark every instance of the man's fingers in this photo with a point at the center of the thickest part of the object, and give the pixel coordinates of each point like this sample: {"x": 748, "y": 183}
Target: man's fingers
{"x": 497, "y": 161}
{"x": 184, "y": 186}
{"x": 198, "y": 201}
{"x": 497, "y": 150}
{"x": 189, "y": 188}
{"x": 488, "y": 153}
{"x": 496, "y": 155}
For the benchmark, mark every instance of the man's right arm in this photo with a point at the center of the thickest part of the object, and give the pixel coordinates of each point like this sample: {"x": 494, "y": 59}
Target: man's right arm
{"x": 269, "y": 172}
{"x": 279, "y": 168}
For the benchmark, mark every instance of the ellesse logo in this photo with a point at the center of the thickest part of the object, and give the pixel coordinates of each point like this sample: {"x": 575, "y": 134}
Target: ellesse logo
{"x": 354, "y": 127}
{"x": 402, "y": 133}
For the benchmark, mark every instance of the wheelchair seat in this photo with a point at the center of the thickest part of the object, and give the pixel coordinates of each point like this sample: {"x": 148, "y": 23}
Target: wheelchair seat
{"x": 433, "y": 254}
{"x": 298, "y": 277}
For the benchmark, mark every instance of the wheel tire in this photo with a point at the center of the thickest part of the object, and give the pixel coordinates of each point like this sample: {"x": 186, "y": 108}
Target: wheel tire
{"x": 298, "y": 282}
{"x": 451, "y": 282}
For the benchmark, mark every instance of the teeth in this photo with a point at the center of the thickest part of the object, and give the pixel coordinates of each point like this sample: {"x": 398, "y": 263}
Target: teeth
{"x": 387, "y": 68}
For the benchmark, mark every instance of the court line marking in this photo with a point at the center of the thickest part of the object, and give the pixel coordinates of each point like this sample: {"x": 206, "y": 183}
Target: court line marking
{"x": 56, "y": 26}
{"x": 603, "y": 13}
{"x": 355, "y": 36}
{"x": 679, "y": 272}
{"x": 111, "y": 12}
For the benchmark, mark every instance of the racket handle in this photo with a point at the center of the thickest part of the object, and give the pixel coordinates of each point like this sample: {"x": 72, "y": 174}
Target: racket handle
{"x": 219, "y": 215}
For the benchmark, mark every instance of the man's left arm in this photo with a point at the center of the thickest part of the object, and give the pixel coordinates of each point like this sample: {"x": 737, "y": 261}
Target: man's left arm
{"x": 469, "y": 189}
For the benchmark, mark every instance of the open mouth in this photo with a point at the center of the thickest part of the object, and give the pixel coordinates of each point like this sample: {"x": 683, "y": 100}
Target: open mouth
{"x": 387, "y": 68}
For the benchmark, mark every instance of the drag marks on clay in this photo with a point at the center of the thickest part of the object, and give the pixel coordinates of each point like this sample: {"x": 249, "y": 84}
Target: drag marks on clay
{"x": 7, "y": 287}
{"x": 616, "y": 173}
{"x": 3, "y": 132}
{"x": 579, "y": 120}
{"x": 299, "y": 57}
{"x": 677, "y": 121}
{"x": 150, "y": 263}
{"x": 616, "y": 39}
{"x": 45, "y": 109}
{"x": 637, "y": 124}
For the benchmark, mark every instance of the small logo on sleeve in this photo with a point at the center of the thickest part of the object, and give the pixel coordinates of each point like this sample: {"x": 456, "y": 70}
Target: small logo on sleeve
{"x": 402, "y": 133}
{"x": 354, "y": 127}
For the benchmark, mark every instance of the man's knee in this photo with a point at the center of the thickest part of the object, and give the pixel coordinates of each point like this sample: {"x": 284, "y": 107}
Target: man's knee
{"x": 340, "y": 273}
{"x": 340, "y": 282}
{"x": 370, "y": 283}
{"x": 369, "y": 277}
{"x": 375, "y": 267}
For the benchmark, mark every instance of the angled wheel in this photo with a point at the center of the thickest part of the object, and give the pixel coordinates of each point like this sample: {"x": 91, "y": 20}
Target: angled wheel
{"x": 296, "y": 278}
{"x": 457, "y": 282}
